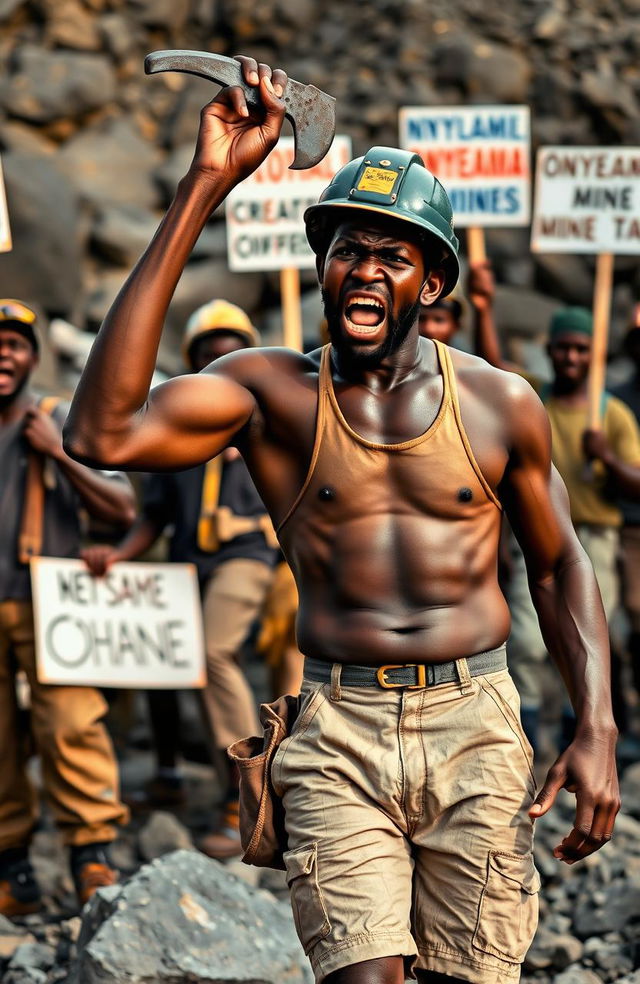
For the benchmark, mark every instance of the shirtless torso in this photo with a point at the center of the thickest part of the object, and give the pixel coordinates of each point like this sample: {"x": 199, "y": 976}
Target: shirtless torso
{"x": 394, "y": 563}
{"x": 391, "y": 566}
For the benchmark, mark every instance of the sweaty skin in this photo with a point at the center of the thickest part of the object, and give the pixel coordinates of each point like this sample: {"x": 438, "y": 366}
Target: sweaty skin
{"x": 391, "y": 584}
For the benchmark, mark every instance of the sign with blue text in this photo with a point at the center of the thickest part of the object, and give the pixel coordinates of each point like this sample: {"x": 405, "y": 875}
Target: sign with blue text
{"x": 481, "y": 156}
{"x": 264, "y": 213}
{"x": 587, "y": 200}
{"x": 138, "y": 626}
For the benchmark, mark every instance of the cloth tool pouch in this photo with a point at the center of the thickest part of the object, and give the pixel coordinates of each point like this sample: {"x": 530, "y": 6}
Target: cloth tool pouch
{"x": 262, "y": 831}
{"x": 40, "y": 474}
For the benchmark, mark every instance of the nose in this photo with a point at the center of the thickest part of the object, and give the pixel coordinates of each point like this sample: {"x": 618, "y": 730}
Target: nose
{"x": 368, "y": 268}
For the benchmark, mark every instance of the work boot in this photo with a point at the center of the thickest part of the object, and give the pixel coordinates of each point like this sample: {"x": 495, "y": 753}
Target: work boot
{"x": 91, "y": 869}
{"x": 19, "y": 890}
{"x": 160, "y": 792}
{"x": 224, "y": 842}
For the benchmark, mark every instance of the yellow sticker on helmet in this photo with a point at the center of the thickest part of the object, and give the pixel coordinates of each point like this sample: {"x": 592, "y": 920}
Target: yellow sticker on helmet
{"x": 377, "y": 179}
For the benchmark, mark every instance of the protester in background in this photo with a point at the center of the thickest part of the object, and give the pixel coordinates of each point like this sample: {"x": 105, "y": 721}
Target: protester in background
{"x": 597, "y": 466}
{"x": 441, "y": 320}
{"x": 219, "y": 524}
{"x": 41, "y": 494}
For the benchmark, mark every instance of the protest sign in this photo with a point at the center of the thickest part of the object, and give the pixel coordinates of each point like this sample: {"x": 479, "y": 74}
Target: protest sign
{"x": 138, "y": 626}
{"x": 481, "y": 156}
{"x": 265, "y": 228}
{"x": 5, "y": 230}
{"x": 587, "y": 200}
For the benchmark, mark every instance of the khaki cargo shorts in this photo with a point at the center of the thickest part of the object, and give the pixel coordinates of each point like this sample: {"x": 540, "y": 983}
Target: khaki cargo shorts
{"x": 406, "y": 812}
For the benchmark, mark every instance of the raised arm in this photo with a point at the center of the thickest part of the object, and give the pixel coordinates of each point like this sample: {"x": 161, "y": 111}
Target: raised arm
{"x": 481, "y": 290}
{"x": 567, "y": 600}
{"x": 114, "y": 420}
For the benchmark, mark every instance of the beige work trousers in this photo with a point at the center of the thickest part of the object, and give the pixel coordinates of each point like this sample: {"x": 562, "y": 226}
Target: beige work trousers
{"x": 79, "y": 769}
{"x": 408, "y": 830}
{"x": 234, "y": 597}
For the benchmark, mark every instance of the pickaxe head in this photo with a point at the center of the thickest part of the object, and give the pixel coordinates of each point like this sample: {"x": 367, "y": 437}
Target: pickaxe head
{"x": 310, "y": 111}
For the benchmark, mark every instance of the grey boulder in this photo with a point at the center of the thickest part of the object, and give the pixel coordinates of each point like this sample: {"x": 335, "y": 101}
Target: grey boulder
{"x": 184, "y": 918}
{"x": 49, "y": 85}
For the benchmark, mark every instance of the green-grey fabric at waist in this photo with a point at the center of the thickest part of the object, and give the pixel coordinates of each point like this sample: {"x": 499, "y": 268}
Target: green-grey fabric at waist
{"x": 409, "y": 675}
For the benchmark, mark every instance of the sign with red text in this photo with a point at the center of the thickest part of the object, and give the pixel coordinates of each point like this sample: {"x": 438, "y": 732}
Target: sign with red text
{"x": 481, "y": 156}
{"x": 587, "y": 200}
{"x": 265, "y": 227}
{"x": 138, "y": 626}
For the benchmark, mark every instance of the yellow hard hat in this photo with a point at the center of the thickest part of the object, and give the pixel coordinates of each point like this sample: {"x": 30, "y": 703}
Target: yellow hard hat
{"x": 217, "y": 315}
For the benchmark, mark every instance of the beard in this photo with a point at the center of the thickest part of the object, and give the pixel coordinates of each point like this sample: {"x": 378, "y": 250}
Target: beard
{"x": 397, "y": 330}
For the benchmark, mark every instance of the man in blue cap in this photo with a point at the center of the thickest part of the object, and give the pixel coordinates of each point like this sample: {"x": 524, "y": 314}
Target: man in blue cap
{"x": 385, "y": 460}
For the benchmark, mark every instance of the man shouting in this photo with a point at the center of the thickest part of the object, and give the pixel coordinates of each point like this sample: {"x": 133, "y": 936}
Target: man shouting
{"x": 385, "y": 461}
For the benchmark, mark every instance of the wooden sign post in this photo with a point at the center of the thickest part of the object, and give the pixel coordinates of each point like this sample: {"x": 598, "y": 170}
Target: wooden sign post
{"x": 6, "y": 244}
{"x": 481, "y": 155}
{"x": 476, "y": 251}
{"x": 265, "y": 224}
{"x": 600, "y": 340}
{"x": 291, "y": 310}
{"x": 587, "y": 200}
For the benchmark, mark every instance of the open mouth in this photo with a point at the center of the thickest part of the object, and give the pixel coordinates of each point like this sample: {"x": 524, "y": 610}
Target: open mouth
{"x": 364, "y": 314}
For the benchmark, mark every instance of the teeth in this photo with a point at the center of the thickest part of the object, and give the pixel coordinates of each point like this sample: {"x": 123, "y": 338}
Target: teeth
{"x": 366, "y": 301}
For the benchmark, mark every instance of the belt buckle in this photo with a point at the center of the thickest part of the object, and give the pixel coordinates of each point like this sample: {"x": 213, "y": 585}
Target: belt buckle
{"x": 421, "y": 676}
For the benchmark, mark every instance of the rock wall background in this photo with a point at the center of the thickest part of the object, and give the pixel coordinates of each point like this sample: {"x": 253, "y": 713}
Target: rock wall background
{"x": 92, "y": 149}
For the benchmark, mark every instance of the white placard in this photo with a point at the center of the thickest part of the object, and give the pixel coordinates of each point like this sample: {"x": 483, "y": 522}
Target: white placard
{"x": 5, "y": 230}
{"x": 265, "y": 228}
{"x": 587, "y": 200}
{"x": 138, "y": 626}
{"x": 481, "y": 156}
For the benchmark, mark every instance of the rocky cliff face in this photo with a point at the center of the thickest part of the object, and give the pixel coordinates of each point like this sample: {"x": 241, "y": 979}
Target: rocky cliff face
{"x": 92, "y": 149}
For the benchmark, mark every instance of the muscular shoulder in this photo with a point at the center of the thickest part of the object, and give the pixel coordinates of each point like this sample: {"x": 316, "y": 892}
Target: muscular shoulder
{"x": 257, "y": 367}
{"x": 503, "y": 404}
{"x": 507, "y": 393}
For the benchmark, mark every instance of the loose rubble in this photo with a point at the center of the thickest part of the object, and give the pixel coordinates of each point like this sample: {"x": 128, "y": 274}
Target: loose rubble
{"x": 184, "y": 911}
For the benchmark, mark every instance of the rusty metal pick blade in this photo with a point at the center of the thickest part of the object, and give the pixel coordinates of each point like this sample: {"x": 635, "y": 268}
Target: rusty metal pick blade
{"x": 310, "y": 111}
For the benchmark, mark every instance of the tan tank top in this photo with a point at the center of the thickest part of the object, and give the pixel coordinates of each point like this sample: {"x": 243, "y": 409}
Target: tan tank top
{"x": 434, "y": 474}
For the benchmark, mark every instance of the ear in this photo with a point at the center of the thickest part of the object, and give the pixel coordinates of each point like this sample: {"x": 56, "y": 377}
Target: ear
{"x": 432, "y": 287}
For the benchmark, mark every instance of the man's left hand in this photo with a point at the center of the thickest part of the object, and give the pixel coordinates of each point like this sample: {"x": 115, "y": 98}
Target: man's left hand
{"x": 595, "y": 445}
{"x": 587, "y": 768}
{"x": 42, "y": 433}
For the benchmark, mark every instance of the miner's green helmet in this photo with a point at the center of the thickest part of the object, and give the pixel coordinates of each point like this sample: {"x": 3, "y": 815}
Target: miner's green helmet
{"x": 393, "y": 182}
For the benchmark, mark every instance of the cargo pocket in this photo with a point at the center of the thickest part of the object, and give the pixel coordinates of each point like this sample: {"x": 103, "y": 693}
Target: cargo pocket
{"x": 508, "y": 913}
{"x": 309, "y": 913}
